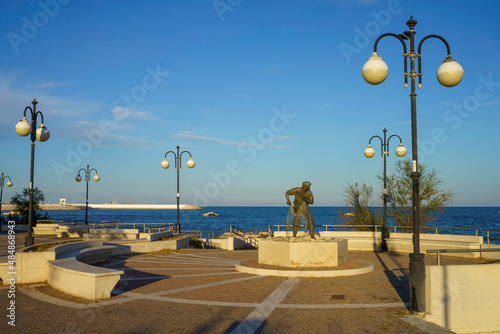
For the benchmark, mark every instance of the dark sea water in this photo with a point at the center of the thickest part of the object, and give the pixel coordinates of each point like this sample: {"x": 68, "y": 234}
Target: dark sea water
{"x": 247, "y": 218}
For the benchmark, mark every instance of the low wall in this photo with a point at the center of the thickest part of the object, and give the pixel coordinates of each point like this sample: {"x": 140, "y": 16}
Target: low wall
{"x": 31, "y": 267}
{"x": 141, "y": 246}
{"x": 464, "y": 298}
{"x": 155, "y": 236}
{"x": 108, "y": 234}
{"x": 490, "y": 255}
{"x": 403, "y": 243}
{"x": 70, "y": 231}
{"x": 45, "y": 229}
{"x": 229, "y": 243}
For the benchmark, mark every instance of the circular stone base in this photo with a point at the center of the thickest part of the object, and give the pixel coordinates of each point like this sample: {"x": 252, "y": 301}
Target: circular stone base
{"x": 349, "y": 268}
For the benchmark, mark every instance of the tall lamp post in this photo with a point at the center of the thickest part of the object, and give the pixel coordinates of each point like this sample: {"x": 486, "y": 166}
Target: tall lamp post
{"x": 369, "y": 153}
{"x": 24, "y": 128}
{"x": 78, "y": 178}
{"x": 449, "y": 74}
{"x": 9, "y": 184}
{"x": 165, "y": 164}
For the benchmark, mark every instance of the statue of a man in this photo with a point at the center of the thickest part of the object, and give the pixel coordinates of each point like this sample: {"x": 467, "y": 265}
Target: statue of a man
{"x": 303, "y": 197}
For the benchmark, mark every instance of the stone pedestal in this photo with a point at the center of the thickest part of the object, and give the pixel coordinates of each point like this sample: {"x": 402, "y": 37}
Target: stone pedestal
{"x": 303, "y": 252}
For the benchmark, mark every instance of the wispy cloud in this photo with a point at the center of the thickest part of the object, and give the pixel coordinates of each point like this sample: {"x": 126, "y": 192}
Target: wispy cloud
{"x": 206, "y": 139}
{"x": 327, "y": 106}
{"x": 214, "y": 140}
{"x": 51, "y": 84}
{"x": 129, "y": 139}
{"x": 121, "y": 113}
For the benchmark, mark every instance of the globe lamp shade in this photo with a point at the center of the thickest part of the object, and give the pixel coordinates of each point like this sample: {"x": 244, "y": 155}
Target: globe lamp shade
{"x": 96, "y": 178}
{"x": 375, "y": 70}
{"x": 190, "y": 163}
{"x": 23, "y": 128}
{"x": 450, "y": 73}
{"x": 42, "y": 134}
{"x": 165, "y": 163}
{"x": 78, "y": 178}
{"x": 401, "y": 150}
{"x": 369, "y": 151}
{"x": 9, "y": 184}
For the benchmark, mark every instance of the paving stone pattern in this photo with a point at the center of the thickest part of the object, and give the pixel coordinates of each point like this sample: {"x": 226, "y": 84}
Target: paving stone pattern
{"x": 199, "y": 291}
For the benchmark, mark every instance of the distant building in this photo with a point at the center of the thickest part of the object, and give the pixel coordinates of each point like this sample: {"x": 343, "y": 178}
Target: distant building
{"x": 62, "y": 201}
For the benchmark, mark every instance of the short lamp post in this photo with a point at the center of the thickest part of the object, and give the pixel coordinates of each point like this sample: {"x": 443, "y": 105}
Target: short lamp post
{"x": 24, "y": 128}
{"x": 449, "y": 74}
{"x": 369, "y": 153}
{"x": 2, "y": 182}
{"x": 165, "y": 164}
{"x": 78, "y": 178}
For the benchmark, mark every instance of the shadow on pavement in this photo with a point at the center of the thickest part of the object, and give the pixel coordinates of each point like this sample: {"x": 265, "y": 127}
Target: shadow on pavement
{"x": 400, "y": 283}
{"x": 131, "y": 279}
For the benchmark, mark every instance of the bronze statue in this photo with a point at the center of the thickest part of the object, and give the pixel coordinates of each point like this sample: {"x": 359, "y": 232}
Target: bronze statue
{"x": 303, "y": 197}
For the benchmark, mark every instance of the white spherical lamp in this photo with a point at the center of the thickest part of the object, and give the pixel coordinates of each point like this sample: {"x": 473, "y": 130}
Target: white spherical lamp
{"x": 401, "y": 150}
{"x": 375, "y": 70}
{"x": 369, "y": 151}
{"x": 42, "y": 134}
{"x": 23, "y": 128}
{"x": 165, "y": 164}
{"x": 450, "y": 73}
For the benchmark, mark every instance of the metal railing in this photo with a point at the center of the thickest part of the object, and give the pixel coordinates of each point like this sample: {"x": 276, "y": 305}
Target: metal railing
{"x": 94, "y": 224}
{"x": 440, "y": 251}
{"x": 338, "y": 227}
{"x": 146, "y": 227}
{"x": 486, "y": 233}
{"x": 204, "y": 234}
{"x": 435, "y": 230}
{"x": 234, "y": 230}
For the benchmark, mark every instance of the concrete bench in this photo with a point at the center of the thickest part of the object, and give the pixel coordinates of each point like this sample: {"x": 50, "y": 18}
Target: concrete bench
{"x": 403, "y": 243}
{"x": 45, "y": 229}
{"x": 72, "y": 273}
{"x": 358, "y": 240}
{"x": 108, "y": 234}
{"x": 65, "y": 231}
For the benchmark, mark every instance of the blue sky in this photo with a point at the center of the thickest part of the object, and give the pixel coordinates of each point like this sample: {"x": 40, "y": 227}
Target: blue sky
{"x": 264, "y": 94}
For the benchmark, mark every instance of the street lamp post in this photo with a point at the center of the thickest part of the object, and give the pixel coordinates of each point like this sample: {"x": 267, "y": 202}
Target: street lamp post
{"x": 24, "y": 128}
{"x": 370, "y": 152}
{"x": 165, "y": 164}
{"x": 78, "y": 178}
{"x": 449, "y": 74}
{"x": 9, "y": 184}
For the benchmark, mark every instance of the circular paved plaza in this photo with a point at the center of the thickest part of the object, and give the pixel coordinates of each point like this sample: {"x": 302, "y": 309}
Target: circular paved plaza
{"x": 199, "y": 291}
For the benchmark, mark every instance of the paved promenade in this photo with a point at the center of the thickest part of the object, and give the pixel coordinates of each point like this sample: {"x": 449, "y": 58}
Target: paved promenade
{"x": 198, "y": 291}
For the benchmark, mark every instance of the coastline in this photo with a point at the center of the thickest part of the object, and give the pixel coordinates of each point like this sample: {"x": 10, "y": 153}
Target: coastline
{"x": 76, "y": 207}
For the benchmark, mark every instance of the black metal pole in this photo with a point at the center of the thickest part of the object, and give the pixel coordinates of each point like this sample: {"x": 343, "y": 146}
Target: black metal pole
{"x": 385, "y": 232}
{"x": 30, "y": 240}
{"x": 417, "y": 264}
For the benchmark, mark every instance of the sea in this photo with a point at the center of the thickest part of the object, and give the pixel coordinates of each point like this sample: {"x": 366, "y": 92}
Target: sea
{"x": 467, "y": 219}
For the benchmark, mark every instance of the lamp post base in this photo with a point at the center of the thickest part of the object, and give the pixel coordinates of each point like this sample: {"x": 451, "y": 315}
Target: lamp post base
{"x": 417, "y": 283}
{"x": 29, "y": 241}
